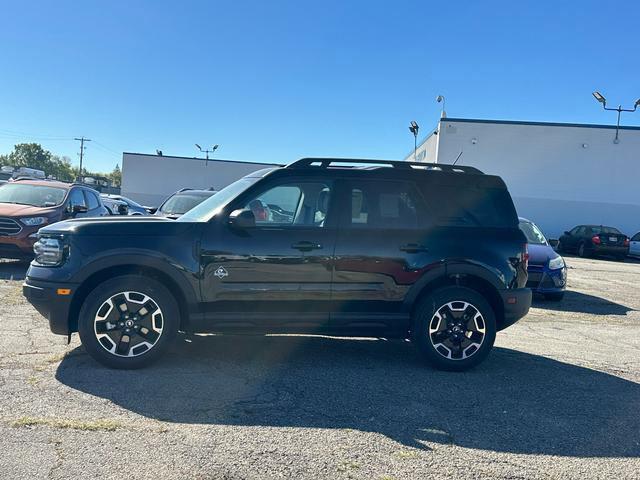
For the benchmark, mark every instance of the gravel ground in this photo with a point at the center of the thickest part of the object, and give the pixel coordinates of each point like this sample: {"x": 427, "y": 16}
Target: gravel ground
{"x": 558, "y": 398}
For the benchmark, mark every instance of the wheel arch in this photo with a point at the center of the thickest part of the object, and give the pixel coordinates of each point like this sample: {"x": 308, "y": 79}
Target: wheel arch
{"x": 183, "y": 293}
{"x": 476, "y": 278}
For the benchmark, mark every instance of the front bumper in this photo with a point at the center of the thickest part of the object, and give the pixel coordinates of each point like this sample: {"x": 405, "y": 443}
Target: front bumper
{"x": 18, "y": 247}
{"x": 542, "y": 280}
{"x": 50, "y": 304}
{"x": 516, "y": 305}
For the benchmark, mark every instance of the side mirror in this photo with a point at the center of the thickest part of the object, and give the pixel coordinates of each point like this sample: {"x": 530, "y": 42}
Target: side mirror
{"x": 567, "y": 233}
{"x": 152, "y": 210}
{"x": 76, "y": 209}
{"x": 242, "y": 219}
{"x": 554, "y": 242}
{"x": 123, "y": 209}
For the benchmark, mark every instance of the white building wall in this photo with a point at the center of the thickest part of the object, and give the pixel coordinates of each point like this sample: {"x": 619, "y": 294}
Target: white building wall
{"x": 559, "y": 175}
{"x": 149, "y": 179}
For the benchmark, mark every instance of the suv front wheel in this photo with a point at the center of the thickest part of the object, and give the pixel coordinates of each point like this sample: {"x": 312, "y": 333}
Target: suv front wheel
{"x": 454, "y": 328}
{"x": 128, "y": 321}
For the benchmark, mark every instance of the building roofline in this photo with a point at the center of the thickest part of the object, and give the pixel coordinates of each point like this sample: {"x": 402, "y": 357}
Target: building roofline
{"x": 538, "y": 124}
{"x": 204, "y": 159}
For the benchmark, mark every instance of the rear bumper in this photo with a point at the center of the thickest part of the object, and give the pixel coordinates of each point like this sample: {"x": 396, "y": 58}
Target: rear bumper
{"x": 45, "y": 299}
{"x": 516, "y": 305}
{"x": 617, "y": 251}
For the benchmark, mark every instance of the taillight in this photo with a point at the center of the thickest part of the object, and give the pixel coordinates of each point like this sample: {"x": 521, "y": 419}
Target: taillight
{"x": 525, "y": 255}
{"x": 626, "y": 242}
{"x": 596, "y": 240}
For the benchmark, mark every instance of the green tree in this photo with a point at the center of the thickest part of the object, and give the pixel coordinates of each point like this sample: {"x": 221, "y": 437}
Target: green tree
{"x": 116, "y": 176}
{"x": 30, "y": 155}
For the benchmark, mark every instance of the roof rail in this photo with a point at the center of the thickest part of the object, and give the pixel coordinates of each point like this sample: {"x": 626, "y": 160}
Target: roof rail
{"x": 326, "y": 162}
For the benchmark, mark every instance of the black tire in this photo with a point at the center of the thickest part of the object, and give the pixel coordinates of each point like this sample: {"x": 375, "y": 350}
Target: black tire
{"x": 582, "y": 250}
{"x": 554, "y": 297}
{"x": 166, "y": 316}
{"x": 621, "y": 258}
{"x": 425, "y": 316}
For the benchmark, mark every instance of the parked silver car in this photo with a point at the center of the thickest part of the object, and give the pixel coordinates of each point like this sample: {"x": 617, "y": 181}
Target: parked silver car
{"x": 634, "y": 246}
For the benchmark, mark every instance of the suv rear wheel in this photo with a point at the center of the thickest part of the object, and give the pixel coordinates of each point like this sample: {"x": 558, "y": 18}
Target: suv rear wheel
{"x": 128, "y": 321}
{"x": 454, "y": 328}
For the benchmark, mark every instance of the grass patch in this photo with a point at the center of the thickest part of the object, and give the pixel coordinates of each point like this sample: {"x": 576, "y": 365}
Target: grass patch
{"x": 406, "y": 454}
{"x": 85, "y": 425}
{"x": 33, "y": 380}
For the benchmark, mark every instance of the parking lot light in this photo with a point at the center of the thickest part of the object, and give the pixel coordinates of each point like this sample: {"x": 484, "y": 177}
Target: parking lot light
{"x": 600, "y": 98}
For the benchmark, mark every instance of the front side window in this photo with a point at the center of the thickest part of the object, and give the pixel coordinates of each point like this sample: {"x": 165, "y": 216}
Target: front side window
{"x": 292, "y": 204}
{"x": 92, "y": 200}
{"x": 76, "y": 198}
{"x": 636, "y": 237}
{"x": 383, "y": 205}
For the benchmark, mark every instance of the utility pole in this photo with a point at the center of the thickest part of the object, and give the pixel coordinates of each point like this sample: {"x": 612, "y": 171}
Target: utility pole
{"x": 413, "y": 128}
{"x": 82, "y": 140}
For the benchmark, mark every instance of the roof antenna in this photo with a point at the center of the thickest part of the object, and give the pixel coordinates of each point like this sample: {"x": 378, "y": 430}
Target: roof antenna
{"x": 457, "y": 158}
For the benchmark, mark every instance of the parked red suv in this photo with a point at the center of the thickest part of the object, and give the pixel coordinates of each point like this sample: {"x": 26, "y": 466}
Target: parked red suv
{"x": 28, "y": 205}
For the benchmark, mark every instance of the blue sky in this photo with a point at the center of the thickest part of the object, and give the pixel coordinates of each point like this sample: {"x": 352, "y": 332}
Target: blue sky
{"x": 275, "y": 81}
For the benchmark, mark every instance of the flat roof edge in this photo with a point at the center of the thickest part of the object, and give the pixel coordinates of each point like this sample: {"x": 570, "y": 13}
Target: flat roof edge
{"x": 204, "y": 159}
{"x": 538, "y": 124}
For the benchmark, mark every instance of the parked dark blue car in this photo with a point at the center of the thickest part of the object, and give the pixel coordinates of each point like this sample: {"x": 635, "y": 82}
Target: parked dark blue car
{"x": 547, "y": 270}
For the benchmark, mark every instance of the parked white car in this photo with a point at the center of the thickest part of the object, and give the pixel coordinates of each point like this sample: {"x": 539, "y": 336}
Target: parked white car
{"x": 634, "y": 246}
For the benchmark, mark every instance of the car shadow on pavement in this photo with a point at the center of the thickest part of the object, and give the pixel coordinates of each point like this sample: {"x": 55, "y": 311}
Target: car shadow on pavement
{"x": 13, "y": 270}
{"x": 513, "y": 402}
{"x": 583, "y": 303}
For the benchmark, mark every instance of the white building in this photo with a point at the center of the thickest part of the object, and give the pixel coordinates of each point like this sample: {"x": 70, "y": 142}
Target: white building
{"x": 560, "y": 175}
{"x": 149, "y": 179}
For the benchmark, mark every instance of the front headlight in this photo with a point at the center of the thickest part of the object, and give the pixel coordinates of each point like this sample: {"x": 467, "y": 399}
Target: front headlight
{"x": 34, "y": 221}
{"x": 49, "y": 251}
{"x": 556, "y": 263}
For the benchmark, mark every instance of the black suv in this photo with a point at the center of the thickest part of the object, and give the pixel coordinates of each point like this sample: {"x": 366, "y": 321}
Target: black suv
{"x": 369, "y": 248}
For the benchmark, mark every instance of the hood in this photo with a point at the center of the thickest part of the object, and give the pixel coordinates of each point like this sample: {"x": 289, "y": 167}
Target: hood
{"x": 118, "y": 225}
{"x": 16, "y": 210}
{"x": 541, "y": 254}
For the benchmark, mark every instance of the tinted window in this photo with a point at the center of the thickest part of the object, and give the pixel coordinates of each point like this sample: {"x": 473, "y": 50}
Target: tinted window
{"x": 36, "y": 195}
{"x": 383, "y": 205}
{"x": 598, "y": 230}
{"x": 303, "y": 204}
{"x": 636, "y": 237}
{"x": 469, "y": 205}
{"x": 76, "y": 198}
{"x": 92, "y": 200}
{"x": 182, "y": 203}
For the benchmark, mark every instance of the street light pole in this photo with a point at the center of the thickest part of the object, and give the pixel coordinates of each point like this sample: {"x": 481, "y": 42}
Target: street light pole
{"x": 600, "y": 98}
{"x": 212, "y": 151}
{"x": 413, "y": 128}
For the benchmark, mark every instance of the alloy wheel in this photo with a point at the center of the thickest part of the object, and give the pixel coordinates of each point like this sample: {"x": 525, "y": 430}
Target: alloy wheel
{"x": 128, "y": 324}
{"x": 457, "y": 330}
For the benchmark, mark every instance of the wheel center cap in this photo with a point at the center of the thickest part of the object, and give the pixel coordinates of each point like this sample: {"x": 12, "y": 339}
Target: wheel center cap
{"x": 129, "y": 323}
{"x": 456, "y": 329}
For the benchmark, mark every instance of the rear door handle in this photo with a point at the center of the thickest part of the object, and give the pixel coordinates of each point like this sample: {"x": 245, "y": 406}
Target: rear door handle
{"x": 306, "y": 246}
{"x": 413, "y": 248}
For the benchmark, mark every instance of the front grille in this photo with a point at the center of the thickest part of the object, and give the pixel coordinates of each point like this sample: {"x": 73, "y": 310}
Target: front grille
{"x": 9, "y": 226}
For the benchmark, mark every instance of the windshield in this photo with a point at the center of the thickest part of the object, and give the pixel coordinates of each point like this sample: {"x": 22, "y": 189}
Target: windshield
{"x": 207, "y": 209}
{"x": 181, "y": 203}
{"x": 34, "y": 195}
{"x": 533, "y": 233}
{"x": 598, "y": 230}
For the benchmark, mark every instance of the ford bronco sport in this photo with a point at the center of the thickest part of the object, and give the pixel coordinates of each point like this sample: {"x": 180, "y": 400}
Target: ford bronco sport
{"x": 390, "y": 249}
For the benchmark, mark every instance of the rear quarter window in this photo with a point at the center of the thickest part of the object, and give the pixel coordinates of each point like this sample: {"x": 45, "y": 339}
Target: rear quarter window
{"x": 470, "y": 206}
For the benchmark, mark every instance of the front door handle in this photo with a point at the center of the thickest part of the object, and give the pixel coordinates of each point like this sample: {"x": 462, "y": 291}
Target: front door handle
{"x": 306, "y": 246}
{"x": 413, "y": 248}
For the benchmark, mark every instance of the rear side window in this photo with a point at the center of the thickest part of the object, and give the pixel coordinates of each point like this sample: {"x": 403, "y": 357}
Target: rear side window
{"x": 389, "y": 205}
{"x": 470, "y": 206}
{"x": 92, "y": 200}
